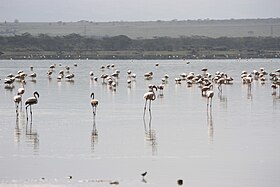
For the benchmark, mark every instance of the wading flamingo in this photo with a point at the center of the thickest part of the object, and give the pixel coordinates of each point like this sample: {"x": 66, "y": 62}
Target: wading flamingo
{"x": 17, "y": 100}
{"x": 31, "y": 101}
{"x": 151, "y": 96}
{"x": 209, "y": 95}
{"x": 94, "y": 103}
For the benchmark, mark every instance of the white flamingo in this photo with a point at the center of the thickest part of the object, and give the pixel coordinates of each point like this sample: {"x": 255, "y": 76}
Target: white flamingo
{"x": 133, "y": 75}
{"x": 160, "y": 87}
{"x": 148, "y": 75}
{"x": 94, "y": 103}
{"x": 33, "y": 75}
{"x": 129, "y": 73}
{"x": 204, "y": 70}
{"x": 9, "y": 81}
{"x": 204, "y": 89}
{"x": 17, "y": 99}
{"x": 91, "y": 73}
{"x": 209, "y": 95}
{"x": 21, "y": 90}
{"x": 274, "y": 87}
{"x": 70, "y": 76}
{"x": 151, "y": 96}
{"x": 221, "y": 81}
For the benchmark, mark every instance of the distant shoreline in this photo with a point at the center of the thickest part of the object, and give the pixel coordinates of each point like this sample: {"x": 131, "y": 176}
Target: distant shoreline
{"x": 229, "y": 39}
{"x": 133, "y": 55}
{"x": 269, "y": 27}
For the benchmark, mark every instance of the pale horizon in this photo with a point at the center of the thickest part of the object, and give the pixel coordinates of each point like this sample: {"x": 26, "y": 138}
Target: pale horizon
{"x": 135, "y": 10}
{"x": 116, "y": 21}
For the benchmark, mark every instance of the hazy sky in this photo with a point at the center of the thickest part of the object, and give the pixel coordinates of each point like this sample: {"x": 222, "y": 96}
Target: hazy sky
{"x": 135, "y": 10}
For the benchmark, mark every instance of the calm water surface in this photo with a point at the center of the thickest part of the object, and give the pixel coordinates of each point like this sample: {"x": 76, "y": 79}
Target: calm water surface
{"x": 236, "y": 144}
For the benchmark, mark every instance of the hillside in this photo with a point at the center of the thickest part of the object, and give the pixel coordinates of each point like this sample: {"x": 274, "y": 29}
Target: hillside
{"x": 151, "y": 29}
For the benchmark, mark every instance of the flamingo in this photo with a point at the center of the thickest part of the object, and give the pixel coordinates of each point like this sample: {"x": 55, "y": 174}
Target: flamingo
{"x": 204, "y": 89}
{"x": 148, "y": 75}
{"x": 70, "y": 76}
{"x": 178, "y": 80}
{"x": 248, "y": 80}
{"x": 21, "y": 90}
{"x": 17, "y": 100}
{"x": 160, "y": 87}
{"x": 103, "y": 77}
{"x": 9, "y": 81}
{"x": 33, "y": 75}
{"x": 52, "y": 66}
{"x": 102, "y": 68}
{"x": 128, "y": 81}
{"x": 94, "y": 103}
{"x": 129, "y": 73}
{"x": 49, "y": 73}
{"x": 189, "y": 83}
{"x": 204, "y": 70}
{"x": 133, "y": 75}
{"x": 209, "y": 95}
{"x": 221, "y": 81}
{"x": 67, "y": 69}
{"x": 61, "y": 73}
{"x": 31, "y": 101}
{"x": 151, "y": 96}
{"x": 91, "y": 73}
{"x": 274, "y": 88}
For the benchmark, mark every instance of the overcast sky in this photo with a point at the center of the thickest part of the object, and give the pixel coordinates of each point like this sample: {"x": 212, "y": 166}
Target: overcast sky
{"x": 135, "y": 10}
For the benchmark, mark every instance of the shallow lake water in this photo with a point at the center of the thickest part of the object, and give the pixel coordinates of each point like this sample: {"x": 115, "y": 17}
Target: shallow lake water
{"x": 236, "y": 143}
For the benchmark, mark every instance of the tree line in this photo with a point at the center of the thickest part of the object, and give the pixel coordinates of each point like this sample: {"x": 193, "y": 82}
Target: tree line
{"x": 76, "y": 42}
{"x": 75, "y": 46}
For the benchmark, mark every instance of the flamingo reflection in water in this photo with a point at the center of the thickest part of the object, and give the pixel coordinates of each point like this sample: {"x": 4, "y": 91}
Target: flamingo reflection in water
{"x": 94, "y": 135}
{"x": 32, "y": 136}
{"x": 210, "y": 125}
{"x": 20, "y": 123}
{"x": 25, "y": 128}
{"x": 31, "y": 101}
{"x": 223, "y": 100}
{"x": 17, "y": 131}
{"x": 150, "y": 136}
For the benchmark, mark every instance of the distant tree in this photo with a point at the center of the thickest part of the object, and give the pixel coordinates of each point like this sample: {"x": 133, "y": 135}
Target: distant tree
{"x": 120, "y": 42}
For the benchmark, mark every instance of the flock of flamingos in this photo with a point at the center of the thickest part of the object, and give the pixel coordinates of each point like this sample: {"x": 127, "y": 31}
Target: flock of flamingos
{"x": 205, "y": 81}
